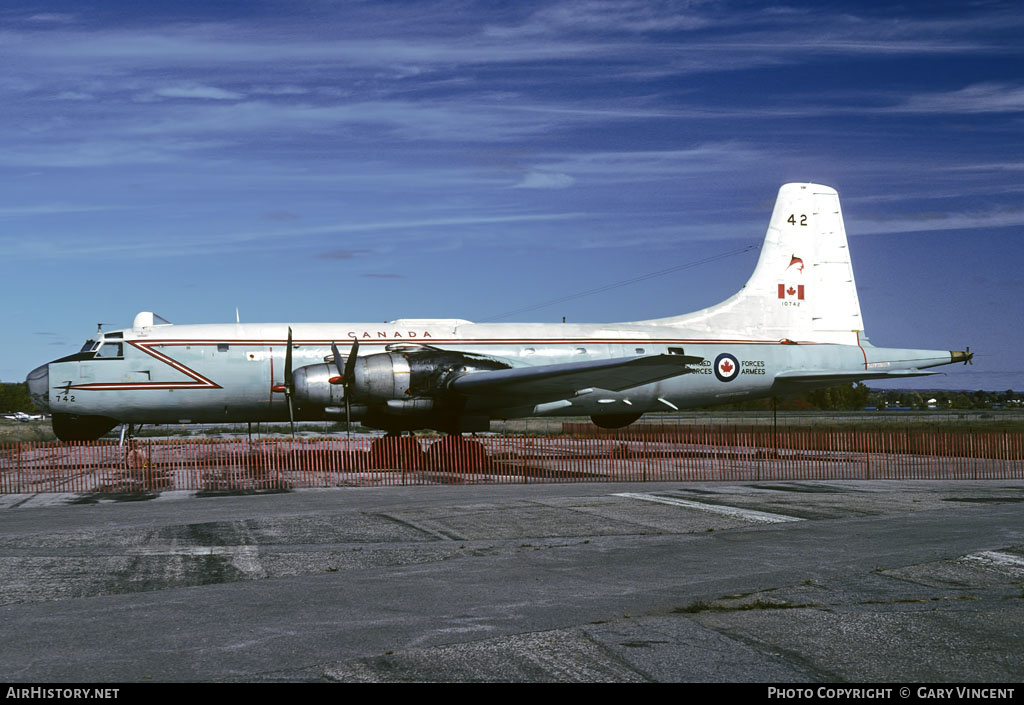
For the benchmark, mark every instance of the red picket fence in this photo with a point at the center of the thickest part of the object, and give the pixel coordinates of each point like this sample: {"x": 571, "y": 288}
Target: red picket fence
{"x": 680, "y": 454}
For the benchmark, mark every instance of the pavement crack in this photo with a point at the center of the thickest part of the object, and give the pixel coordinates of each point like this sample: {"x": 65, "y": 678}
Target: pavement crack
{"x": 438, "y": 533}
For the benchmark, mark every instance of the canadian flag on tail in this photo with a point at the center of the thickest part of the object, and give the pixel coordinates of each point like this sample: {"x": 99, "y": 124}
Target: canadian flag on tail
{"x": 789, "y": 291}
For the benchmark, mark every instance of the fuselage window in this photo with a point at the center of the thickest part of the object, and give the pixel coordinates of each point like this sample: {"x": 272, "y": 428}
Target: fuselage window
{"x": 639, "y": 351}
{"x": 222, "y": 347}
{"x": 110, "y": 351}
{"x": 676, "y": 351}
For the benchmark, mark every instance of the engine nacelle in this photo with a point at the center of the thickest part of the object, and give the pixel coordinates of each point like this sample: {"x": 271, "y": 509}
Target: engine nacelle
{"x": 312, "y": 385}
{"x": 382, "y": 377}
{"x": 409, "y": 381}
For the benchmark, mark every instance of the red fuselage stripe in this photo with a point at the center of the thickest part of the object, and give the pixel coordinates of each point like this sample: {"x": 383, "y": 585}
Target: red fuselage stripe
{"x": 198, "y": 381}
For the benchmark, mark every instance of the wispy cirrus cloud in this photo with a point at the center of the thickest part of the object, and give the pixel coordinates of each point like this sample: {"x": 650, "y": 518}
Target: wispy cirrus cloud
{"x": 342, "y": 254}
{"x": 546, "y": 180}
{"x": 183, "y": 245}
{"x": 939, "y": 220}
{"x": 53, "y": 209}
{"x": 197, "y": 92}
{"x": 52, "y": 17}
{"x": 973, "y": 99}
{"x": 605, "y": 16}
{"x": 631, "y": 166}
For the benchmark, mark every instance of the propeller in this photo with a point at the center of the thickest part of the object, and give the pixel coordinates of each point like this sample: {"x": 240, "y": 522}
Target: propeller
{"x": 289, "y": 381}
{"x": 965, "y": 356}
{"x": 347, "y": 378}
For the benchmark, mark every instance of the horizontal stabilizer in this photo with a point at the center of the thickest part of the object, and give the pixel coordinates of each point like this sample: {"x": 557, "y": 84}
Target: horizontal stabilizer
{"x": 551, "y": 382}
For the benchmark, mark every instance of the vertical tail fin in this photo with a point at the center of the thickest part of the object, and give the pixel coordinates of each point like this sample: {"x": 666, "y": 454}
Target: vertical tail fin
{"x": 802, "y": 288}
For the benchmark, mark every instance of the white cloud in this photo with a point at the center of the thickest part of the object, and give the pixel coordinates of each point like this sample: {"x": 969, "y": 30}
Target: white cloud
{"x": 617, "y": 167}
{"x": 925, "y": 222}
{"x": 977, "y": 98}
{"x": 74, "y": 95}
{"x": 606, "y": 16}
{"x": 405, "y": 230}
{"x": 52, "y": 17}
{"x": 539, "y": 179}
{"x": 198, "y": 92}
{"x": 49, "y": 209}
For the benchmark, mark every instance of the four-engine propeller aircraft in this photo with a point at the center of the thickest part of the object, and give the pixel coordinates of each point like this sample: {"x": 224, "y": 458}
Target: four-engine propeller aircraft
{"x": 795, "y": 325}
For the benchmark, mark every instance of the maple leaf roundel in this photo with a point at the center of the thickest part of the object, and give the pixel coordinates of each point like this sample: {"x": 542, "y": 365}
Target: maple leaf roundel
{"x": 727, "y": 368}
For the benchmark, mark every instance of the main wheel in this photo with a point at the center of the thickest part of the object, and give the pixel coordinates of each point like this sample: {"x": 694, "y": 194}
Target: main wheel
{"x": 396, "y": 452}
{"x": 457, "y": 454}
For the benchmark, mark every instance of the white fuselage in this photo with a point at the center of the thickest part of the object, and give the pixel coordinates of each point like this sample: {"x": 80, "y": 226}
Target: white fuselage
{"x": 226, "y": 372}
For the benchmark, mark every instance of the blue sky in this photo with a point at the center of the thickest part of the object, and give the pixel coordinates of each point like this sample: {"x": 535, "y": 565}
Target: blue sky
{"x": 317, "y": 161}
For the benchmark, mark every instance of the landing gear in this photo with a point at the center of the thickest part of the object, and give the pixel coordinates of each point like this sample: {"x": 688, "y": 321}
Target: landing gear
{"x": 396, "y": 451}
{"x": 456, "y": 453}
{"x": 128, "y": 433}
{"x": 138, "y": 473}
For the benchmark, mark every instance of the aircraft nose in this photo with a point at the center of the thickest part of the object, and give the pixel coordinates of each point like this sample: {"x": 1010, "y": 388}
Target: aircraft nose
{"x": 38, "y": 382}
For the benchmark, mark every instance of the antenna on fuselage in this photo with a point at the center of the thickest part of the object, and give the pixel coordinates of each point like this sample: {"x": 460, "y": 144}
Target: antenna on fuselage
{"x": 237, "y": 319}
{"x": 99, "y": 327}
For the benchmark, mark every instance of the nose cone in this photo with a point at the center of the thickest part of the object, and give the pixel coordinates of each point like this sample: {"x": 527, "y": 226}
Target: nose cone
{"x": 38, "y": 381}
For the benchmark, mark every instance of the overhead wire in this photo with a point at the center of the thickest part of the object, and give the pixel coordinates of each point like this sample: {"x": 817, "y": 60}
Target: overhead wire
{"x": 624, "y": 282}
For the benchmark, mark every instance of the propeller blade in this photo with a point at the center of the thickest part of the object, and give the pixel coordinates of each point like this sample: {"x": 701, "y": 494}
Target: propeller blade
{"x": 291, "y": 415}
{"x": 348, "y": 421}
{"x": 289, "y": 381}
{"x": 289, "y": 378}
{"x": 337, "y": 360}
{"x": 350, "y": 364}
{"x": 348, "y": 371}
{"x": 347, "y": 378}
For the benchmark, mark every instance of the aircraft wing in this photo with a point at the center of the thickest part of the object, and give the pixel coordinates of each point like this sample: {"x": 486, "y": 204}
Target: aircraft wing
{"x": 552, "y": 382}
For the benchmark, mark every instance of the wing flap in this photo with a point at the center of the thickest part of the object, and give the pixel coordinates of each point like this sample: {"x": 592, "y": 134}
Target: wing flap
{"x": 552, "y": 382}
{"x": 819, "y": 377}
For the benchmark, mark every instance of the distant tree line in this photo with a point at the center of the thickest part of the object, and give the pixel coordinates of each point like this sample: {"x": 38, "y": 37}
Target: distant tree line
{"x": 859, "y": 396}
{"x": 936, "y": 399}
{"x": 14, "y": 397}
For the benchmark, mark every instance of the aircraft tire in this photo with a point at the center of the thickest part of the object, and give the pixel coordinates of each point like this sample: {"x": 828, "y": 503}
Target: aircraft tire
{"x": 396, "y": 453}
{"x": 615, "y": 420}
{"x": 457, "y": 454}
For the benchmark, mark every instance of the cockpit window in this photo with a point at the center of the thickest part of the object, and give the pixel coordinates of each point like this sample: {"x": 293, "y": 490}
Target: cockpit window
{"x": 110, "y": 351}
{"x": 89, "y": 345}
